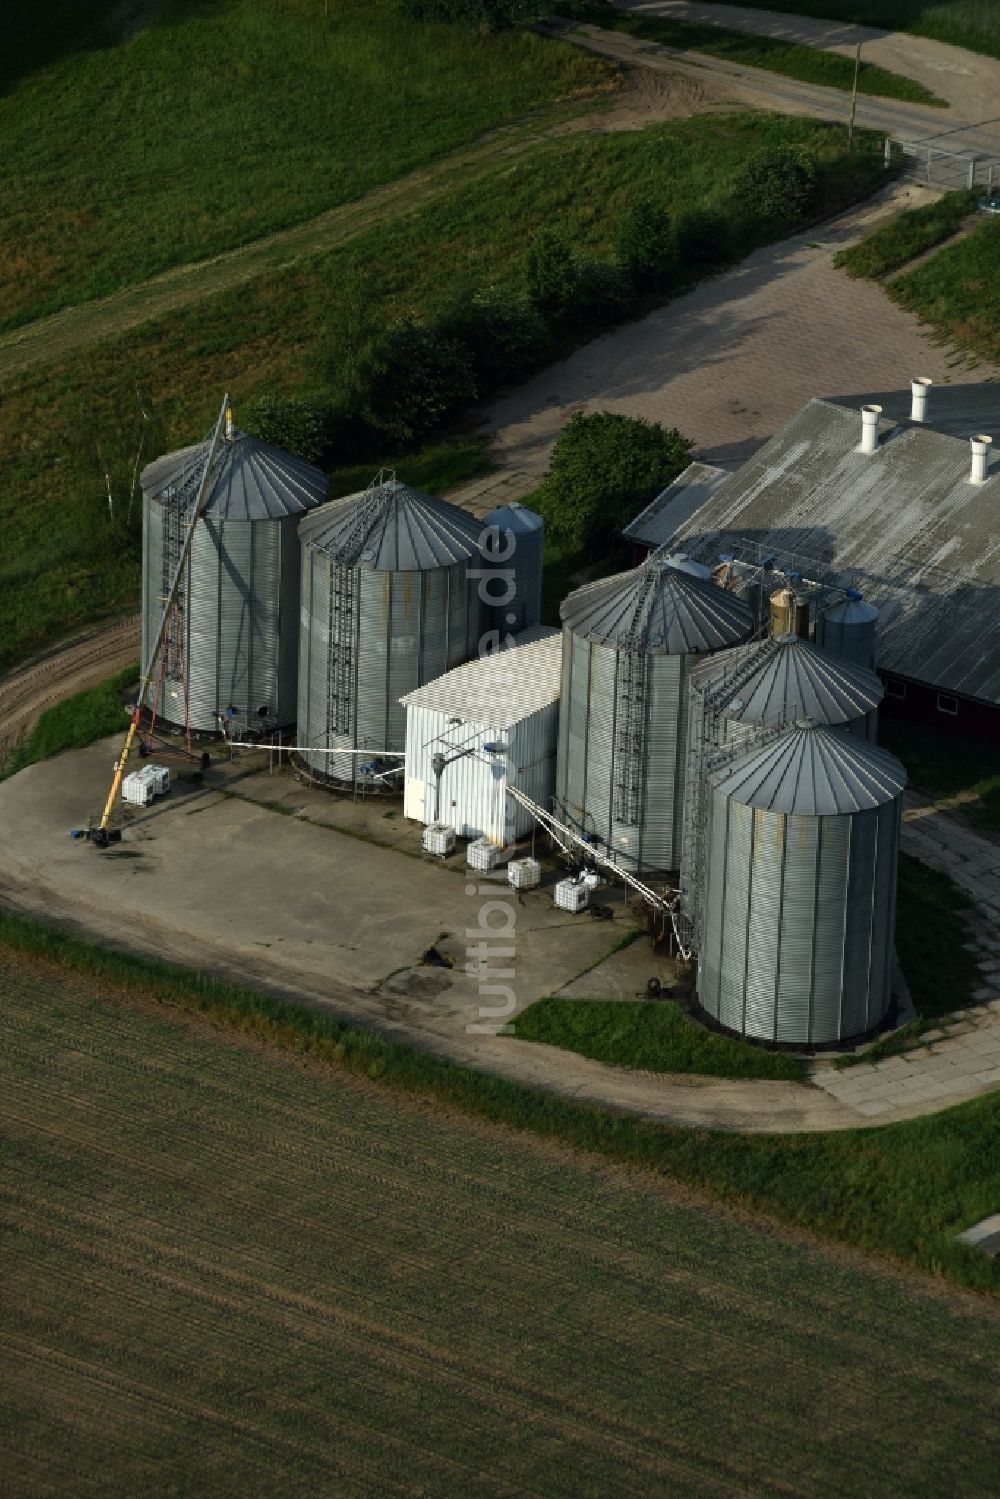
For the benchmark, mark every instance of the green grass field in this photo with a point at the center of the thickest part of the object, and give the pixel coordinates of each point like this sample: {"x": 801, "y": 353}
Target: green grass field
{"x": 654, "y": 1036}
{"x": 58, "y": 569}
{"x": 791, "y": 59}
{"x": 217, "y": 122}
{"x": 909, "y": 234}
{"x": 230, "y": 1270}
{"x": 964, "y": 23}
{"x": 957, "y": 291}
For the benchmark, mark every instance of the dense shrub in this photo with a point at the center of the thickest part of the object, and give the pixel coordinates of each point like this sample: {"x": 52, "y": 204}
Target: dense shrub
{"x": 505, "y": 335}
{"x": 776, "y": 186}
{"x": 405, "y": 384}
{"x": 645, "y": 241}
{"x": 604, "y": 468}
{"x": 702, "y": 237}
{"x": 605, "y": 292}
{"x": 291, "y": 422}
{"x": 494, "y": 15}
{"x": 552, "y": 273}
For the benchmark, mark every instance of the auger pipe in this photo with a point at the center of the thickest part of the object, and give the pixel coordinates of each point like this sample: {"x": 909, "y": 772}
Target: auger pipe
{"x": 225, "y": 418}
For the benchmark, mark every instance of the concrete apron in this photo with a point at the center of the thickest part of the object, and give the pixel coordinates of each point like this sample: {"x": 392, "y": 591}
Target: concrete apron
{"x": 245, "y": 893}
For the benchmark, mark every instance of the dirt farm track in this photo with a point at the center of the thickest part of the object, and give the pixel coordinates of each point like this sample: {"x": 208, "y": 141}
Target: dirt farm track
{"x": 73, "y": 666}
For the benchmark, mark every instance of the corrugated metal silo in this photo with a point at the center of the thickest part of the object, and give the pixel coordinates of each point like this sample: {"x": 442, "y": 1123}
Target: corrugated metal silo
{"x": 233, "y": 638}
{"x": 803, "y": 842}
{"x": 848, "y": 629}
{"x": 782, "y": 679}
{"x": 513, "y": 542}
{"x": 390, "y": 600}
{"x": 628, "y": 648}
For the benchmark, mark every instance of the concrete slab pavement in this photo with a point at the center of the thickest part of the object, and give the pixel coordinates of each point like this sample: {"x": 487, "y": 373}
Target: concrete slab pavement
{"x": 734, "y": 359}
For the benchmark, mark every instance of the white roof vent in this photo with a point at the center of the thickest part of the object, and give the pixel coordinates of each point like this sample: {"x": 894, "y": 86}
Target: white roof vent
{"x": 918, "y": 397}
{"x": 980, "y": 458}
{"x": 869, "y": 428}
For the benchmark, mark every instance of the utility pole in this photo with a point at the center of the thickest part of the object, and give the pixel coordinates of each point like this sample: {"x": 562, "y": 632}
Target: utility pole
{"x": 854, "y": 98}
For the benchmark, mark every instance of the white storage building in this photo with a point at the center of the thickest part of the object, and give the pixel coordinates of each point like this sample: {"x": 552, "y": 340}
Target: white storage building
{"x": 491, "y": 723}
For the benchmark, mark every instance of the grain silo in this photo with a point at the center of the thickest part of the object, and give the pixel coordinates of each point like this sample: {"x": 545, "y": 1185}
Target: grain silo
{"x": 512, "y": 542}
{"x": 390, "y": 600}
{"x": 779, "y": 680}
{"x": 231, "y": 647}
{"x": 848, "y": 629}
{"x": 628, "y": 648}
{"x": 803, "y": 839}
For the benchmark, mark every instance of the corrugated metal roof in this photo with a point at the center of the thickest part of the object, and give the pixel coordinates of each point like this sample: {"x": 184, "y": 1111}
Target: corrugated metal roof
{"x": 251, "y": 479}
{"x": 794, "y": 676}
{"x": 903, "y": 525}
{"x": 810, "y": 770}
{"x": 961, "y": 410}
{"x": 675, "y": 504}
{"x": 657, "y": 609}
{"x": 393, "y": 528}
{"x": 501, "y": 689}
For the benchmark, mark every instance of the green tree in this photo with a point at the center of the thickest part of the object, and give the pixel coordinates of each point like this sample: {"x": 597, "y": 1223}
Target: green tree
{"x": 410, "y": 380}
{"x": 776, "y": 185}
{"x": 645, "y": 240}
{"x": 552, "y": 272}
{"x": 505, "y": 334}
{"x": 492, "y": 15}
{"x": 291, "y": 422}
{"x": 604, "y": 468}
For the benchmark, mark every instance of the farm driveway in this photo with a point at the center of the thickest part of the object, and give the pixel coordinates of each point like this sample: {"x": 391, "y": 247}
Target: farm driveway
{"x": 967, "y": 81}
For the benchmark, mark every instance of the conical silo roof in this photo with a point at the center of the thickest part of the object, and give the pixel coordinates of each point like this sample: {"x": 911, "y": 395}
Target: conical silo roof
{"x": 251, "y": 480}
{"x": 811, "y": 770}
{"x": 851, "y": 611}
{"x": 796, "y": 677}
{"x": 514, "y": 517}
{"x": 657, "y": 609}
{"x": 393, "y": 528}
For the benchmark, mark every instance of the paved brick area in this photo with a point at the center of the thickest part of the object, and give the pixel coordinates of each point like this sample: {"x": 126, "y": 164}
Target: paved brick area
{"x": 962, "y": 1057}
{"x": 732, "y": 361}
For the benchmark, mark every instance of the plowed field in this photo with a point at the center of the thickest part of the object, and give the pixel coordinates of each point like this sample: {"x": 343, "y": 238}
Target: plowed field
{"x": 226, "y": 1272}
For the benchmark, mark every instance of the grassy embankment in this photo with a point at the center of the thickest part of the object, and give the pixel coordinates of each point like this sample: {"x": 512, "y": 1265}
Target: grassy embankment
{"x": 247, "y": 1272}
{"x": 77, "y": 722}
{"x": 957, "y": 291}
{"x": 278, "y": 112}
{"x": 655, "y": 1036}
{"x": 903, "y": 1190}
{"x": 909, "y": 234}
{"x": 964, "y": 23}
{"x": 790, "y": 59}
{"x": 276, "y": 332}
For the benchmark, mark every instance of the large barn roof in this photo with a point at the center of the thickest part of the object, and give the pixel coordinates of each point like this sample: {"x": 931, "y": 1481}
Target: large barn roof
{"x": 675, "y": 504}
{"x": 904, "y": 525}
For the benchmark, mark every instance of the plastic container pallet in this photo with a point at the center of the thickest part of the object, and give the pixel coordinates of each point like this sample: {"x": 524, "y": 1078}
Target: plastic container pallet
{"x": 571, "y": 896}
{"x": 524, "y": 874}
{"x": 481, "y": 854}
{"x": 439, "y": 838}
